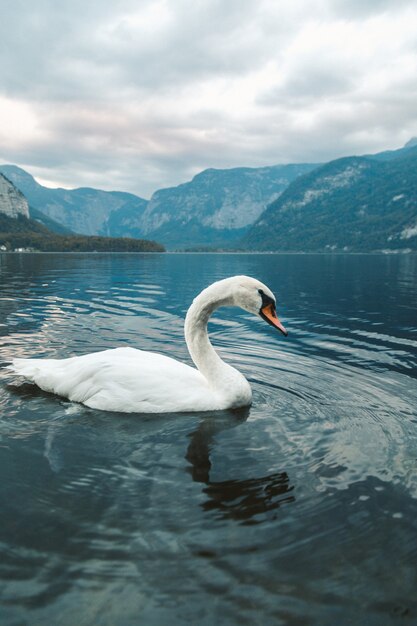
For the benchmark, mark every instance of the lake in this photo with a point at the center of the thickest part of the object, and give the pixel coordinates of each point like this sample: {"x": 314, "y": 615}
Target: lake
{"x": 300, "y": 510}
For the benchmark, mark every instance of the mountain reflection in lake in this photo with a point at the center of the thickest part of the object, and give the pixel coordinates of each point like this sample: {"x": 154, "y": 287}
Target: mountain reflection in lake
{"x": 299, "y": 510}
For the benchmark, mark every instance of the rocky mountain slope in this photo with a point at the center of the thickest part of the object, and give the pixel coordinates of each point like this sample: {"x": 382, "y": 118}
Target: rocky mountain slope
{"x": 50, "y": 224}
{"x": 14, "y": 214}
{"x": 86, "y": 211}
{"x": 12, "y": 202}
{"x": 353, "y": 204}
{"x": 217, "y": 206}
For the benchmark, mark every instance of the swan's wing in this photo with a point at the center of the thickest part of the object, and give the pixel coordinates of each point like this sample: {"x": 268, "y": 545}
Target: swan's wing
{"x": 123, "y": 379}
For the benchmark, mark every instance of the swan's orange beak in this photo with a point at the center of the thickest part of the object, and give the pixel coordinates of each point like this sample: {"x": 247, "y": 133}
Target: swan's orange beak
{"x": 269, "y": 315}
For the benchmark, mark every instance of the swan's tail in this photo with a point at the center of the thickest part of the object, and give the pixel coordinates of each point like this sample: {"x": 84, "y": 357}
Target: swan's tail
{"x": 64, "y": 377}
{"x": 37, "y": 371}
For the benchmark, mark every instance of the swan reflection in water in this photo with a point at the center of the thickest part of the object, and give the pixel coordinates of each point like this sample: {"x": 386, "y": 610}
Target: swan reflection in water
{"x": 247, "y": 501}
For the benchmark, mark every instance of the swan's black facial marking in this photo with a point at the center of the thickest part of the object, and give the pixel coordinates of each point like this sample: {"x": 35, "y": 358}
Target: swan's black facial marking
{"x": 266, "y": 301}
{"x": 268, "y": 312}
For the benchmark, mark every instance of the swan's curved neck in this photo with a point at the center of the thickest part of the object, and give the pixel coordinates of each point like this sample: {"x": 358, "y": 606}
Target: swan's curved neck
{"x": 202, "y": 352}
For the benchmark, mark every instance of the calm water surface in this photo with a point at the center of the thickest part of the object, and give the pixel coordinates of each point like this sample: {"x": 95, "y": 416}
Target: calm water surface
{"x": 300, "y": 510}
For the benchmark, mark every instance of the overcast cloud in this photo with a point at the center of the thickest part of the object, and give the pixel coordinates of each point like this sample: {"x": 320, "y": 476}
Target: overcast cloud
{"x": 142, "y": 94}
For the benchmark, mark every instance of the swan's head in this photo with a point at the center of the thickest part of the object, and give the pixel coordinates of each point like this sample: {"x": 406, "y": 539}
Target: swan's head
{"x": 255, "y": 297}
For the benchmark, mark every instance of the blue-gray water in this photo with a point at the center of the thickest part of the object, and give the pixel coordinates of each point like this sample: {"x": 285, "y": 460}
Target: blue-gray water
{"x": 301, "y": 510}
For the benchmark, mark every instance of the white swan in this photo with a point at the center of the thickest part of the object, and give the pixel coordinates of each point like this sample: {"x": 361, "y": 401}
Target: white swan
{"x": 130, "y": 380}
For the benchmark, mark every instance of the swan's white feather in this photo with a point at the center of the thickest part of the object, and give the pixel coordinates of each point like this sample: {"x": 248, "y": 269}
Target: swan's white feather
{"x": 122, "y": 379}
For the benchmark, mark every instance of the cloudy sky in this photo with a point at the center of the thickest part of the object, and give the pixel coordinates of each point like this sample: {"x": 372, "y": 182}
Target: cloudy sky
{"x": 142, "y": 94}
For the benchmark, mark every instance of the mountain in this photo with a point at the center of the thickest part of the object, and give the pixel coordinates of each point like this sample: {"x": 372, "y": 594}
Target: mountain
{"x": 354, "y": 203}
{"x": 23, "y": 232}
{"x": 388, "y": 155}
{"x": 12, "y": 202}
{"x": 50, "y": 224}
{"x": 18, "y": 230}
{"x": 87, "y": 211}
{"x": 217, "y": 206}
{"x": 14, "y": 212}
{"x": 411, "y": 143}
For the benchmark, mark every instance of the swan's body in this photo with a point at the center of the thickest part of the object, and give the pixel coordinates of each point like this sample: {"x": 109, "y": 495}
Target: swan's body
{"x": 131, "y": 380}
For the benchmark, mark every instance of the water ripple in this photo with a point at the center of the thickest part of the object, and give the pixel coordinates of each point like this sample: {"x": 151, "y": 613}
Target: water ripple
{"x": 280, "y": 513}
